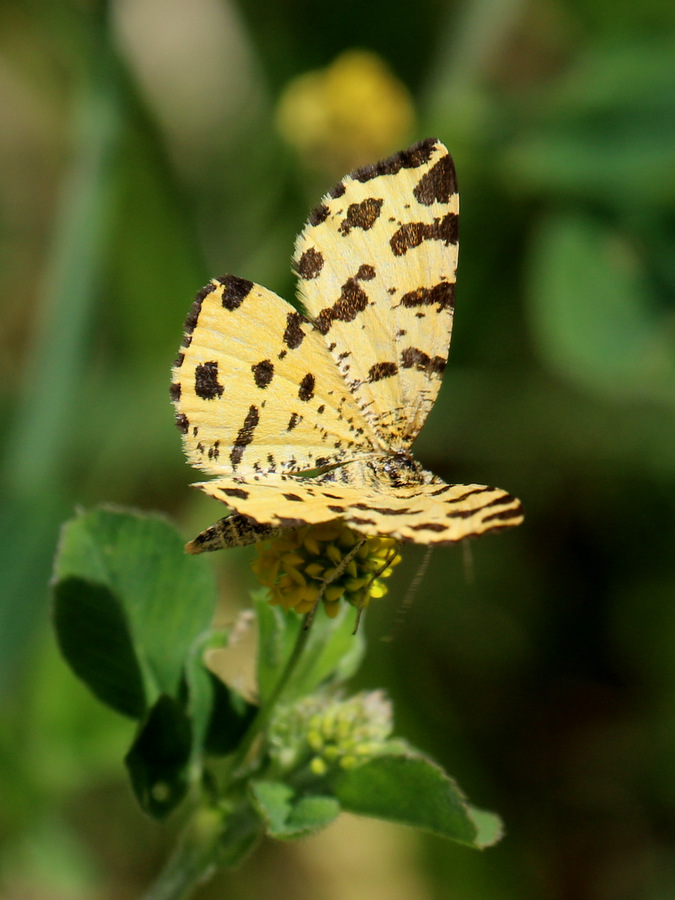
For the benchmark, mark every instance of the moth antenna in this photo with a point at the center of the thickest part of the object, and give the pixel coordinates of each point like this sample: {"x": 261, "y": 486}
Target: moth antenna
{"x": 309, "y": 618}
{"x": 410, "y": 594}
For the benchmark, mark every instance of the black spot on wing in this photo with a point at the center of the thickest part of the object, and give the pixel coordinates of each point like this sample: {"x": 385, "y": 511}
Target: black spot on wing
{"x": 353, "y": 300}
{"x": 337, "y": 191}
{"x": 500, "y": 500}
{"x": 236, "y": 492}
{"x": 504, "y": 515}
{"x": 438, "y": 184}
{"x": 382, "y": 370}
{"x": 306, "y": 391}
{"x": 206, "y": 381}
{"x": 414, "y": 358}
{"x": 412, "y": 158}
{"x": 481, "y": 489}
{"x": 245, "y": 435}
{"x": 442, "y": 295}
{"x": 263, "y": 373}
{"x": 293, "y": 421}
{"x": 384, "y": 510}
{"x": 292, "y": 497}
{"x": 412, "y": 234}
{"x": 361, "y": 215}
{"x": 182, "y": 423}
{"x": 193, "y": 315}
{"x": 365, "y": 273}
{"x": 429, "y": 526}
{"x": 294, "y": 335}
{"x": 319, "y": 214}
{"x": 174, "y": 391}
{"x": 310, "y": 263}
{"x": 236, "y": 291}
{"x": 453, "y": 513}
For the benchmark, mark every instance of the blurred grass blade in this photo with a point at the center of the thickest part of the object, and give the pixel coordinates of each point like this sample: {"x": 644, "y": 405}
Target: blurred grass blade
{"x": 37, "y": 439}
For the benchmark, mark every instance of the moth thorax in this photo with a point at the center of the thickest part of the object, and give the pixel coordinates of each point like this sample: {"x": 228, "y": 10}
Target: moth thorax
{"x": 399, "y": 470}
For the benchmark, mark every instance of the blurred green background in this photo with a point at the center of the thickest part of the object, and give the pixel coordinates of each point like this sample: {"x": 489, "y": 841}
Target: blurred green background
{"x": 146, "y": 145}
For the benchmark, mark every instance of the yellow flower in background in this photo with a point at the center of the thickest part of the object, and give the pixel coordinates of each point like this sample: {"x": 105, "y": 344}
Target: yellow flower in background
{"x": 326, "y": 562}
{"x": 348, "y": 114}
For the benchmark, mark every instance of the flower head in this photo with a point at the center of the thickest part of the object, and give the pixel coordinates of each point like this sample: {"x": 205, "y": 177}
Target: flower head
{"x": 347, "y": 114}
{"x": 325, "y": 562}
{"x": 327, "y": 733}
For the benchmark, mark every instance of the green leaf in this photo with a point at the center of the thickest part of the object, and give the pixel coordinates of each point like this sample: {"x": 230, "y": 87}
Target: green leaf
{"x": 288, "y": 816}
{"x": 230, "y": 717}
{"x": 593, "y": 312}
{"x": 412, "y": 790}
{"x": 128, "y": 605}
{"x": 489, "y": 827}
{"x": 159, "y": 757}
{"x": 94, "y": 637}
{"x": 332, "y": 652}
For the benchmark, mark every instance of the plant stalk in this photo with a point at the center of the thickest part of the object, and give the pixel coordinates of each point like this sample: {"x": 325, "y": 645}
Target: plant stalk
{"x": 193, "y": 861}
{"x": 265, "y": 713}
{"x": 208, "y": 836}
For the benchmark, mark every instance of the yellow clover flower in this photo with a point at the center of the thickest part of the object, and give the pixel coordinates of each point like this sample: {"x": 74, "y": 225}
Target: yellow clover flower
{"x": 325, "y": 563}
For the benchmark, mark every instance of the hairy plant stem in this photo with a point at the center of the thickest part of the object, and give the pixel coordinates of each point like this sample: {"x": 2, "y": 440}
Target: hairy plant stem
{"x": 213, "y": 835}
{"x": 261, "y": 721}
{"x": 194, "y": 859}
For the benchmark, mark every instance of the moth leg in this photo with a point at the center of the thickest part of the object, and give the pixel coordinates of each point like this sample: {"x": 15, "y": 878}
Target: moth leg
{"x": 339, "y": 569}
{"x": 366, "y": 593}
{"x": 235, "y": 530}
